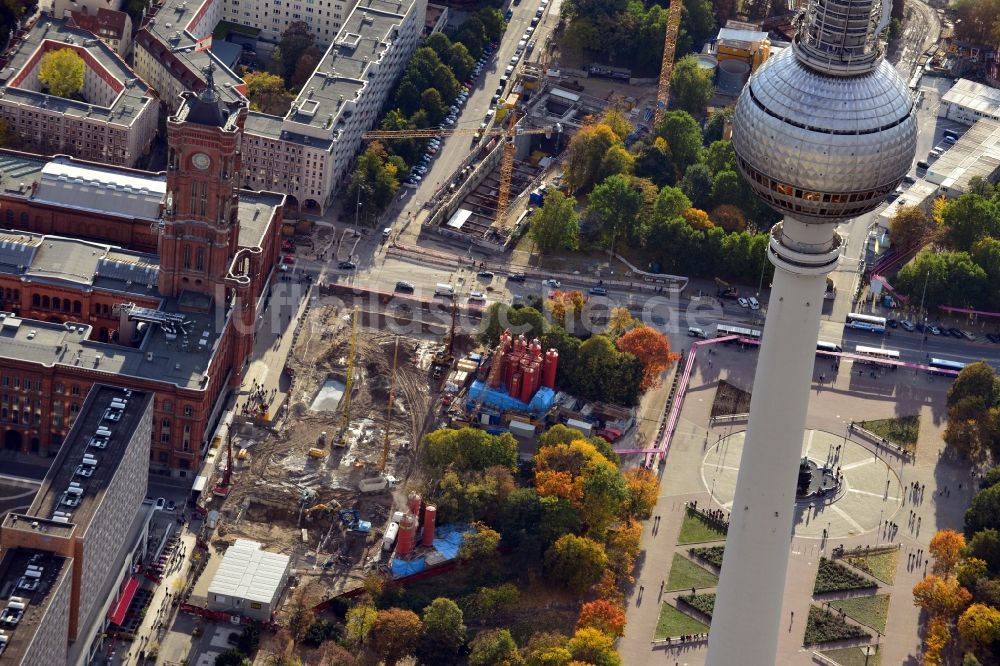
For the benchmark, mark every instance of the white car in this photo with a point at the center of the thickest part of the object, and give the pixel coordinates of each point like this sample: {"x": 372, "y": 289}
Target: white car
{"x": 551, "y": 283}
{"x": 754, "y": 305}
{"x": 744, "y": 303}
{"x": 514, "y": 58}
{"x": 477, "y": 297}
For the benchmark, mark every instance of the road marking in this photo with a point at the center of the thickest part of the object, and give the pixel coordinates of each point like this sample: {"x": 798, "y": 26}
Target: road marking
{"x": 870, "y": 494}
{"x": 855, "y": 465}
{"x": 809, "y": 442}
{"x": 843, "y": 514}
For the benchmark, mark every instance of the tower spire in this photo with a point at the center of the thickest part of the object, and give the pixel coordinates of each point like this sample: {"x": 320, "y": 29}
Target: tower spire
{"x": 209, "y": 94}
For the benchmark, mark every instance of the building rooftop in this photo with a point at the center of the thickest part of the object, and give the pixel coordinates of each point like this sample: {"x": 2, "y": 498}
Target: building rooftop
{"x": 977, "y": 153}
{"x": 46, "y": 573}
{"x": 74, "y": 488}
{"x": 131, "y": 94}
{"x": 117, "y": 192}
{"x": 61, "y": 260}
{"x": 364, "y": 38}
{"x": 974, "y": 96}
{"x": 249, "y": 572}
{"x": 103, "y": 23}
{"x": 256, "y": 209}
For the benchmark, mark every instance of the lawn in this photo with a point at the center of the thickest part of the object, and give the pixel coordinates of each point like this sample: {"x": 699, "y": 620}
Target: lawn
{"x": 710, "y": 554}
{"x": 869, "y": 611}
{"x": 882, "y": 564}
{"x": 702, "y": 602}
{"x": 673, "y": 623}
{"x": 902, "y": 430}
{"x": 685, "y": 574}
{"x": 825, "y": 627}
{"x": 854, "y": 656}
{"x": 835, "y": 577}
{"x": 697, "y": 529}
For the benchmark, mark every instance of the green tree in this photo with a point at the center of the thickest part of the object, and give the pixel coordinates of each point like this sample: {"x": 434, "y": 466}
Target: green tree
{"x": 267, "y": 93}
{"x": 374, "y": 182}
{"x": 461, "y": 61}
{"x": 977, "y": 380}
{"x": 444, "y": 632}
{"x": 984, "y": 511}
{"x": 952, "y": 278}
{"x": 493, "y": 23}
{"x": 577, "y": 562}
{"x": 601, "y": 372}
{"x": 697, "y": 186}
{"x": 968, "y": 219}
{"x": 683, "y": 135}
{"x": 604, "y": 495}
{"x": 556, "y": 226}
{"x": 697, "y": 24}
{"x": 468, "y": 449}
{"x": 500, "y": 317}
{"x": 395, "y": 634}
{"x": 653, "y": 161}
{"x": 231, "y": 657}
{"x": 615, "y": 203}
{"x": 985, "y": 546}
{"x": 295, "y": 41}
{"x": 586, "y": 151}
{"x": 616, "y": 161}
{"x": 62, "y": 72}
{"x": 493, "y": 648}
{"x": 727, "y": 188}
{"x": 691, "y": 86}
{"x": 720, "y": 156}
{"x": 435, "y": 106}
{"x": 618, "y": 123}
{"x": 671, "y": 203}
{"x": 986, "y": 254}
{"x": 472, "y": 33}
{"x": 715, "y": 128}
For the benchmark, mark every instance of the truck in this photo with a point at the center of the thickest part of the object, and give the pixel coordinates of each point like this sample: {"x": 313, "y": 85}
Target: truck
{"x": 377, "y": 483}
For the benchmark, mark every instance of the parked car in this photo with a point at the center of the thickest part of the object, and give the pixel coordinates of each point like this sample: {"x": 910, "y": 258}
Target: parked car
{"x": 744, "y": 303}
{"x": 598, "y": 291}
{"x": 347, "y": 265}
{"x": 485, "y": 275}
{"x": 517, "y": 277}
{"x": 477, "y": 297}
{"x": 892, "y": 323}
{"x": 907, "y": 325}
{"x": 696, "y": 332}
{"x": 955, "y": 333}
{"x": 551, "y": 283}
{"x": 754, "y": 303}
{"x": 404, "y": 287}
{"x": 969, "y": 335}
{"x": 934, "y": 330}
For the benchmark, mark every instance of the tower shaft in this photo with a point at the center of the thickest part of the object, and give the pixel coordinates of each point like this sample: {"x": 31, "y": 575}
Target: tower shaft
{"x": 749, "y": 599}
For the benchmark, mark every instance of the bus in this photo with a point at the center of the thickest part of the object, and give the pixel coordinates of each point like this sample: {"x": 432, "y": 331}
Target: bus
{"x": 830, "y": 347}
{"x": 723, "y": 330}
{"x": 938, "y": 364}
{"x": 866, "y": 322}
{"x": 877, "y": 355}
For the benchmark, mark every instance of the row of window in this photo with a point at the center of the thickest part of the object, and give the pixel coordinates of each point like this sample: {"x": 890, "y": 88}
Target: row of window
{"x": 64, "y": 304}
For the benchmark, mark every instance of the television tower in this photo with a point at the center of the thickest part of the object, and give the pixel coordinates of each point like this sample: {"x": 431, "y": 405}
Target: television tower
{"x": 822, "y": 133}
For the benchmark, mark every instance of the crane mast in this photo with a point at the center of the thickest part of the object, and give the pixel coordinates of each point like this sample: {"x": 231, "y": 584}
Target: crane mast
{"x": 669, "y": 49}
{"x": 349, "y": 383}
{"x": 388, "y": 414}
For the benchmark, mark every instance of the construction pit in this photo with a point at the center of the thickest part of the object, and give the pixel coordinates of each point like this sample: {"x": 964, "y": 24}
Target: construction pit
{"x": 293, "y": 478}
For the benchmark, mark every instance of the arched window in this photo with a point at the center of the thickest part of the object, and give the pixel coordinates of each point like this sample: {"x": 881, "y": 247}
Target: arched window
{"x": 45, "y": 302}
{"x": 36, "y": 300}
{"x": 77, "y": 307}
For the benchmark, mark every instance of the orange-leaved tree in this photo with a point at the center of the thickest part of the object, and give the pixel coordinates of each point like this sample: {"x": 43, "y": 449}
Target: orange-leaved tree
{"x": 938, "y": 635}
{"x": 564, "y": 304}
{"x": 697, "y": 219}
{"x": 643, "y": 487}
{"x": 980, "y": 624}
{"x": 946, "y": 547}
{"x": 606, "y": 617}
{"x": 652, "y": 348}
{"x": 941, "y": 597}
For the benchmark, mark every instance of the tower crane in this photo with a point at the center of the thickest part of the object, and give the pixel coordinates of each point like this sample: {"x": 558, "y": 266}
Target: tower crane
{"x": 507, "y": 134}
{"x": 669, "y": 49}
{"x": 388, "y": 415}
{"x": 349, "y": 383}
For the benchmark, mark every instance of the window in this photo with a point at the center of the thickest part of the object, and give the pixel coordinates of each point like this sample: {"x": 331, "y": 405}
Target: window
{"x": 188, "y": 411}
{"x": 200, "y": 261}
{"x": 256, "y": 605}
{"x": 187, "y": 256}
{"x": 74, "y": 390}
{"x": 168, "y": 405}
{"x": 164, "y": 457}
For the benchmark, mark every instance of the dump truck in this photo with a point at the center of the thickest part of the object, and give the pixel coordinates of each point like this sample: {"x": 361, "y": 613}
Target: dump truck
{"x": 377, "y": 484}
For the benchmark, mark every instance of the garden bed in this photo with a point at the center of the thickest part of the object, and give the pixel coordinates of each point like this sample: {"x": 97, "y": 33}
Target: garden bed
{"x": 835, "y": 577}
{"x": 881, "y": 563}
{"x": 826, "y": 627}
{"x": 730, "y": 400}
{"x": 703, "y": 603}
{"x": 901, "y": 431}
{"x": 709, "y": 554}
{"x": 673, "y": 623}
{"x": 854, "y": 656}
{"x": 685, "y": 574}
{"x": 870, "y": 611}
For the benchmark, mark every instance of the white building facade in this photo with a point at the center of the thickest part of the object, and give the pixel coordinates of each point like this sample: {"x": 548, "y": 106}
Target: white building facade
{"x": 968, "y": 102}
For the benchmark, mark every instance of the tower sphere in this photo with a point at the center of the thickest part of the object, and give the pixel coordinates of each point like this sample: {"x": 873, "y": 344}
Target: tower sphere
{"x": 824, "y": 142}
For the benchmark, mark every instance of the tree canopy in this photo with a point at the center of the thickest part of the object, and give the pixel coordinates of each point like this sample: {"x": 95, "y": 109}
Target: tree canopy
{"x": 267, "y": 93}
{"x": 62, "y": 71}
{"x": 691, "y": 86}
{"x": 468, "y": 449}
{"x": 556, "y": 226}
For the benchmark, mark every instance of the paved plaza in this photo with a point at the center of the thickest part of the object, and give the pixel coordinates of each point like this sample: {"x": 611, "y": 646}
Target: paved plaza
{"x": 703, "y": 463}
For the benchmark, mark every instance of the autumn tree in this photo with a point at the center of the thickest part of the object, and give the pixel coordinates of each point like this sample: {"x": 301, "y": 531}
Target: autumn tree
{"x": 591, "y": 646}
{"x": 622, "y": 547}
{"x": 494, "y": 647}
{"x": 295, "y": 41}
{"x": 556, "y": 225}
{"x": 563, "y": 304}
{"x": 606, "y": 617}
{"x": 395, "y": 633}
{"x": 359, "y": 622}
{"x": 980, "y": 624}
{"x": 305, "y": 66}
{"x": 586, "y": 151}
{"x": 577, "y": 562}
{"x": 643, "y": 489}
{"x": 62, "y": 71}
{"x": 938, "y": 635}
{"x": 468, "y": 449}
{"x": 970, "y": 571}
{"x": 444, "y": 632}
{"x": 579, "y": 473}
{"x": 691, "y": 86}
{"x": 908, "y": 226}
{"x": 267, "y": 93}
{"x": 728, "y": 217}
{"x": 940, "y": 597}
{"x": 480, "y": 544}
{"x": 652, "y": 348}
{"x": 615, "y": 203}
{"x": 697, "y": 219}
{"x": 621, "y": 321}
{"x": 946, "y": 548}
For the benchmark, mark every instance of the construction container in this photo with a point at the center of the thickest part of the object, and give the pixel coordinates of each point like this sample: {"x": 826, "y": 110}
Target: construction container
{"x": 406, "y": 539}
{"x": 390, "y": 536}
{"x": 430, "y": 515}
{"x": 317, "y": 453}
{"x": 521, "y": 429}
{"x": 413, "y": 501}
{"x": 583, "y": 426}
{"x": 529, "y": 382}
{"x": 549, "y": 368}
{"x": 397, "y": 516}
{"x": 514, "y": 387}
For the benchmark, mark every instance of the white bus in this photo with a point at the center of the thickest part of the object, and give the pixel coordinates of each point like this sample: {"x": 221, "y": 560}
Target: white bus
{"x": 866, "y": 322}
{"x": 829, "y": 347}
{"x": 937, "y": 365}
{"x": 877, "y": 355}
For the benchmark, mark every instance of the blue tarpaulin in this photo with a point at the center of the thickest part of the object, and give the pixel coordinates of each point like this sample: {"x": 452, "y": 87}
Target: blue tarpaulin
{"x": 402, "y": 568}
{"x": 502, "y": 400}
{"x": 447, "y": 541}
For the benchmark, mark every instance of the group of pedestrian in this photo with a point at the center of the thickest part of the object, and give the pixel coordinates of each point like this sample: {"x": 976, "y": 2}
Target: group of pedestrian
{"x": 259, "y": 401}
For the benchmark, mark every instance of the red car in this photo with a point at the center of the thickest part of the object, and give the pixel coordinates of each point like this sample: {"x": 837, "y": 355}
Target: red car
{"x": 288, "y": 259}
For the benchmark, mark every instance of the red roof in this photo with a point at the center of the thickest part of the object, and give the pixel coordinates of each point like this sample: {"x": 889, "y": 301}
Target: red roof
{"x": 117, "y": 615}
{"x": 105, "y": 23}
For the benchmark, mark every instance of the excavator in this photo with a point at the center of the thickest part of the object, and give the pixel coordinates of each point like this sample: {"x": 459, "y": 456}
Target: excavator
{"x": 724, "y": 290}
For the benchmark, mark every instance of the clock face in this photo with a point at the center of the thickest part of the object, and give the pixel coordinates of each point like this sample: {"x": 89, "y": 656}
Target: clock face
{"x": 201, "y": 161}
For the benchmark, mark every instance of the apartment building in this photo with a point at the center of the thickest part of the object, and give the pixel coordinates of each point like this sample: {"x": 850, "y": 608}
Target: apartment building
{"x": 67, "y": 556}
{"x": 113, "y": 121}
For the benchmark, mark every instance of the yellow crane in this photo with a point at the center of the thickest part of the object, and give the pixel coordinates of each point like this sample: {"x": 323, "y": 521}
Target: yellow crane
{"x": 388, "y": 415}
{"x": 349, "y": 383}
{"x": 507, "y": 135}
{"x": 669, "y": 49}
